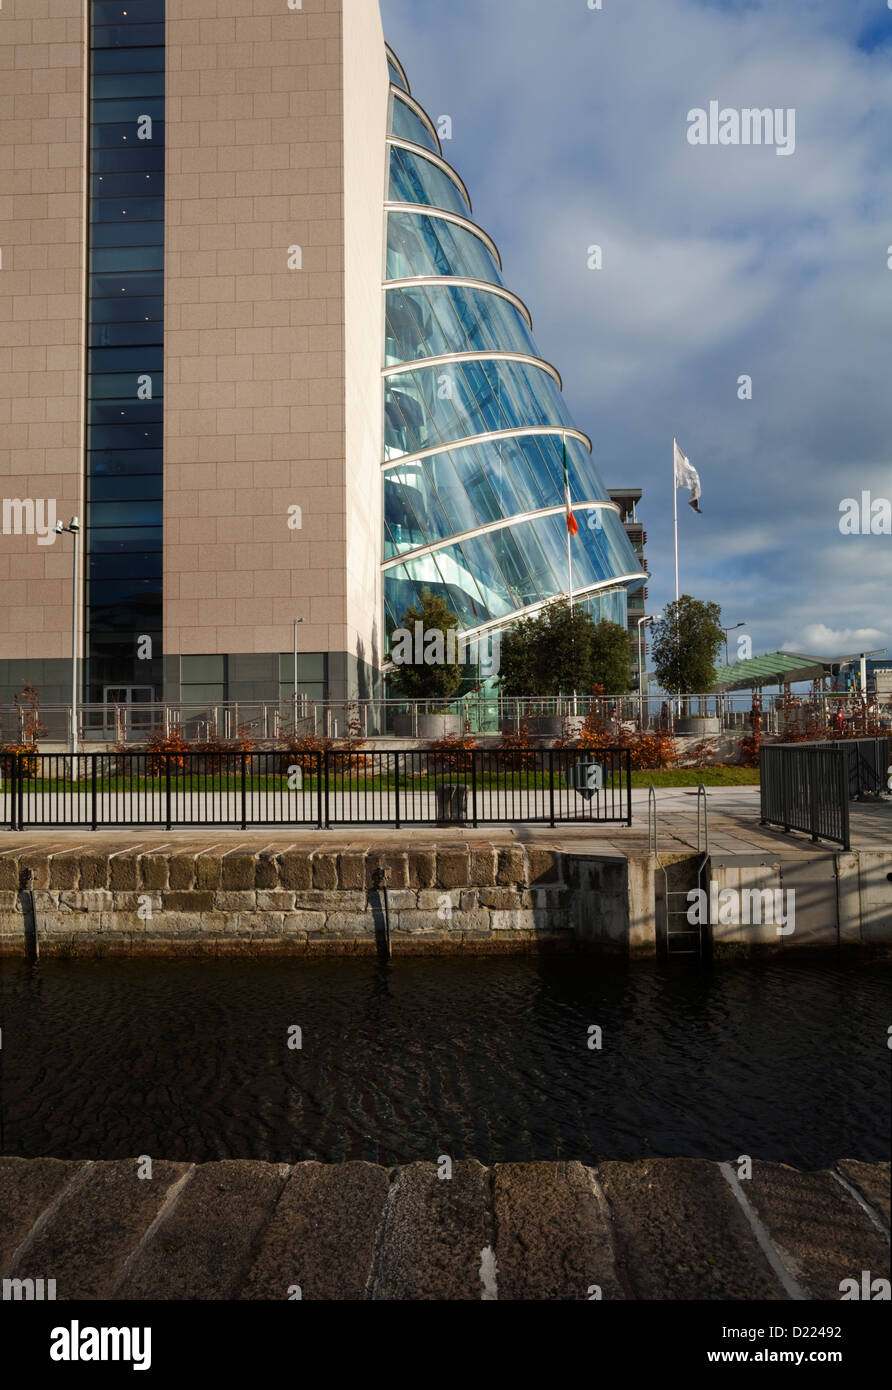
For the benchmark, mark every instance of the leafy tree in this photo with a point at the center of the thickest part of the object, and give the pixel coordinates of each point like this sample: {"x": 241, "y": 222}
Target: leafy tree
{"x": 517, "y": 664}
{"x": 560, "y": 651}
{"x": 435, "y": 677}
{"x": 686, "y": 643}
{"x": 563, "y": 649}
{"x": 610, "y": 658}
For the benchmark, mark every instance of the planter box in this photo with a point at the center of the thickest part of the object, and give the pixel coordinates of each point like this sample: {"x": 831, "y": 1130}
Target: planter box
{"x": 428, "y": 726}
{"x": 704, "y": 726}
{"x": 547, "y": 725}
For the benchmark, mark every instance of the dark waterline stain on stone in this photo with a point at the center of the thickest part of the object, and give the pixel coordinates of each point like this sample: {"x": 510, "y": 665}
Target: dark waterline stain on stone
{"x": 188, "y": 1060}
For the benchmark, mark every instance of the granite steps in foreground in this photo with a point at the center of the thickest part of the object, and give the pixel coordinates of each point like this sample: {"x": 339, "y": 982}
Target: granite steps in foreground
{"x": 669, "y": 1229}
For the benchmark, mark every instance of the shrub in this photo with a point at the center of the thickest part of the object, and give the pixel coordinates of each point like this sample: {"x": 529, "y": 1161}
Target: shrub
{"x": 163, "y": 750}
{"x": 750, "y": 745}
{"x": 217, "y": 752}
{"x": 452, "y": 753}
{"x": 516, "y": 750}
{"x": 29, "y": 762}
{"x": 653, "y": 752}
{"x": 304, "y": 752}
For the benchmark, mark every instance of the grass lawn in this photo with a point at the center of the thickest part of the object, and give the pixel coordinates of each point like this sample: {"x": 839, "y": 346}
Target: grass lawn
{"x": 723, "y": 776}
{"x": 364, "y": 780}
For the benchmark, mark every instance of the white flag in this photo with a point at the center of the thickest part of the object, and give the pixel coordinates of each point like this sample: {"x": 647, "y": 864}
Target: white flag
{"x": 686, "y": 475}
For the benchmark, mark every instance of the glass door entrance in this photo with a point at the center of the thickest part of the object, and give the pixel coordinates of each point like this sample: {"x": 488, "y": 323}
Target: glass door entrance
{"x": 137, "y": 722}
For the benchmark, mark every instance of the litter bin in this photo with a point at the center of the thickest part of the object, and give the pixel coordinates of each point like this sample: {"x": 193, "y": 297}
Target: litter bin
{"x": 452, "y": 804}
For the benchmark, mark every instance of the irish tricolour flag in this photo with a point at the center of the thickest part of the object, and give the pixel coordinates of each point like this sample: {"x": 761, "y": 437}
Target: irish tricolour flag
{"x": 572, "y": 523}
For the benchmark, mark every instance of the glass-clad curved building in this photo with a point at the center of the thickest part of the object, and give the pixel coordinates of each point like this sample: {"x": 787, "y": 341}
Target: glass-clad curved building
{"x": 475, "y": 423}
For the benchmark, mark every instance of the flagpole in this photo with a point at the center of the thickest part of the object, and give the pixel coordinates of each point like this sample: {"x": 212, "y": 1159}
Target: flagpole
{"x": 569, "y": 551}
{"x": 675, "y": 510}
{"x": 675, "y": 516}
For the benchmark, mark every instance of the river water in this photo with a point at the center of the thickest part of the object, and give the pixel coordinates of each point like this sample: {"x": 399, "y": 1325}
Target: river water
{"x": 481, "y": 1058}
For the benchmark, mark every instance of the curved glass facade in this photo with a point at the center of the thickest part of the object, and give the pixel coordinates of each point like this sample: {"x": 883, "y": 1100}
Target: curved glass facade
{"x": 474, "y": 504}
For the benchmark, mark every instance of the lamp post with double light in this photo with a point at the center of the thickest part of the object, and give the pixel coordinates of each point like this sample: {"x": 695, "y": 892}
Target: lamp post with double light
{"x": 642, "y": 622}
{"x": 73, "y": 529}
{"x": 297, "y": 622}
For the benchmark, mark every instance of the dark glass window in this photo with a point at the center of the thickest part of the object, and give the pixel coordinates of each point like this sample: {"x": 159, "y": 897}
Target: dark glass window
{"x": 131, "y": 60}
{"x": 144, "y": 154}
{"x": 120, "y": 35}
{"x": 127, "y": 258}
{"x": 122, "y": 84}
{"x": 145, "y": 487}
{"x": 110, "y": 334}
{"x": 125, "y": 331}
{"x": 129, "y": 109}
{"x": 127, "y": 234}
{"x": 141, "y": 359}
{"x": 125, "y": 310}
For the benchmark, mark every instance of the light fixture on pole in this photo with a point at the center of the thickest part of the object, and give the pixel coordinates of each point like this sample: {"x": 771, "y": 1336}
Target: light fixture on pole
{"x": 73, "y": 528}
{"x": 641, "y": 664}
{"x": 726, "y": 630}
{"x": 294, "y": 695}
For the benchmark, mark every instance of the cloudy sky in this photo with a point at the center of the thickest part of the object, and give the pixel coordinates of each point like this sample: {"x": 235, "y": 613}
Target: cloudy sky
{"x": 570, "y": 129}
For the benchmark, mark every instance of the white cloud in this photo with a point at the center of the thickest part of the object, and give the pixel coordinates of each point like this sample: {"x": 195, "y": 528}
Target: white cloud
{"x": 819, "y": 640}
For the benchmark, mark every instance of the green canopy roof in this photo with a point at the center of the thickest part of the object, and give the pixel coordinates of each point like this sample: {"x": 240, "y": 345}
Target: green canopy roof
{"x": 778, "y": 668}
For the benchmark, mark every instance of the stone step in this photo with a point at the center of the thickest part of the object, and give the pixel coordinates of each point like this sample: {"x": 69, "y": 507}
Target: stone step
{"x": 668, "y": 1229}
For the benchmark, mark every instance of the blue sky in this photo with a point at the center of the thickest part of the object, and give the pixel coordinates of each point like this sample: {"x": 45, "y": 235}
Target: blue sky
{"x": 569, "y": 127}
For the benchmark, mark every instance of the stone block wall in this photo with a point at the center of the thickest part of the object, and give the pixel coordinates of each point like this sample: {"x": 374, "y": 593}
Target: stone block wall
{"x": 470, "y": 897}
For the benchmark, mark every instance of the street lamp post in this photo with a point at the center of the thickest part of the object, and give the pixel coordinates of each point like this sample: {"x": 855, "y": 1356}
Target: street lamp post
{"x": 641, "y": 621}
{"x": 73, "y": 528}
{"x": 726, "y": 630}
{"x": 294, "y": 695}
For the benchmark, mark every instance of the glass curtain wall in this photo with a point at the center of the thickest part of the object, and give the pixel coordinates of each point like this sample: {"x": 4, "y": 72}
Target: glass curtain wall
{"x": 125, "y": 316}
{"x": 475, "y": 519}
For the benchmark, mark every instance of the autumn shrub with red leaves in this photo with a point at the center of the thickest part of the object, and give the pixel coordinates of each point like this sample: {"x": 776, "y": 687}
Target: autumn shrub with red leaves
{"x": 516, "y": 751}
{"x": 452, "y": 753}
{"x": 163, "y": 750}
{"x": 652, "y": 751}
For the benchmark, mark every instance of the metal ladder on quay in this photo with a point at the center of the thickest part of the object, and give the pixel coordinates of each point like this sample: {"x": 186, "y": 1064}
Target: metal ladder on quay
{"x": 682, "y": 934}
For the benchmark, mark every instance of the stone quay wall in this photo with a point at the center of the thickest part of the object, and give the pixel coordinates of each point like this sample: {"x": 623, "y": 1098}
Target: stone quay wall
{"x": 467, "y": 897}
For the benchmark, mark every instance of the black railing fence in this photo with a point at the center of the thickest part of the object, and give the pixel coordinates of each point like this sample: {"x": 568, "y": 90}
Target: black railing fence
{"x": 315, "y": 789}
{"x": 805, "y": 786}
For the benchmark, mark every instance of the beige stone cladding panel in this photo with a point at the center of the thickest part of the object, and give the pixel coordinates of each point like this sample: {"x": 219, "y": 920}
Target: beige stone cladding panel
{"x": 42, "y": 244}
{"x": 366, "y": 95}
{"x": 254, "y": 351}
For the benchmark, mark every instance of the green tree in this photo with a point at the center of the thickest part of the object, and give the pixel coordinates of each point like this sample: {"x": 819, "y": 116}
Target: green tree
{"x": 560, "y": 651}
{"x": 564, "y": 649}
{"x": 424, "y": 632}
{"x": 611, "y": 664}
{"x": 686, "y": 643}
{"x": 517, "y": 663}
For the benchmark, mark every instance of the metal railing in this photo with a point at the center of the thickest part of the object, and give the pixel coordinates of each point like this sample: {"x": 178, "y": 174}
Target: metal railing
{"x": 806, "y": 787}
{"x": 315, "y": 789}
{"x": 268, "y": 723}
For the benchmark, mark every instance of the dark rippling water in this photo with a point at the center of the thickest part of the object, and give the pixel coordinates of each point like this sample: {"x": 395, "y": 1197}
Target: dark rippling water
{"x": 486, "y": 1059}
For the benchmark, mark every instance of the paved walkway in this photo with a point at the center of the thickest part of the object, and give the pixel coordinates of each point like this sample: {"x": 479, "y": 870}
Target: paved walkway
{"x": 733, "y": 829}
{"x": 670, "y": 1229}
